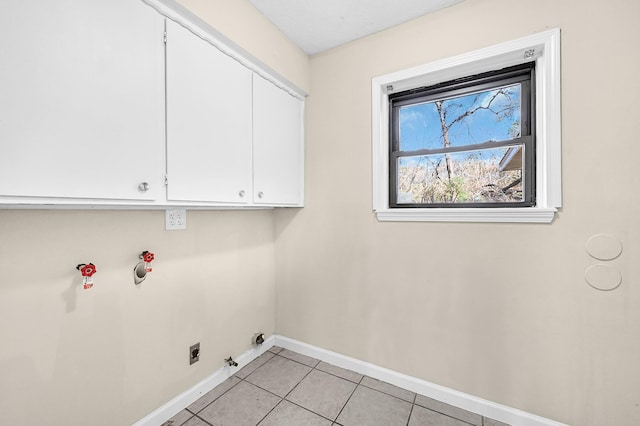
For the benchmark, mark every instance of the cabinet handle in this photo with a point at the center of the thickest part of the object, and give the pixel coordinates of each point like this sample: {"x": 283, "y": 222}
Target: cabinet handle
{"x": 260, "y": 194}
{"x": 241, "y": 193}
{"x": 143, "y": 187}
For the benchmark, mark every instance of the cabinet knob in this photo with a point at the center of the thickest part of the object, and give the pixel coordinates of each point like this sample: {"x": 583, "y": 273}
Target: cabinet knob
{"x": 143, "y": 187}
{"x": 241, "y": 193}
{"x": 260, "y": 194}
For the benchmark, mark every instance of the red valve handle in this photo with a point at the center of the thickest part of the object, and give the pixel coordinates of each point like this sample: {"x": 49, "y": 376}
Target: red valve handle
{"x": 148, "y": 257}
{"x": 87, "y": 270}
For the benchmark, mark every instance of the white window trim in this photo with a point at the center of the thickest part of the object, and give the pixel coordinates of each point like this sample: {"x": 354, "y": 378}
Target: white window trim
{"x": 545, "y": 47}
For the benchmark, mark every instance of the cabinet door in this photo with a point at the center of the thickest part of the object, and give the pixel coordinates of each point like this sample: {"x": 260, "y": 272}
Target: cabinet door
{"x": 208, "y": 122}
{"x": 278, "y": 136}
{"x": 81, "y": 100}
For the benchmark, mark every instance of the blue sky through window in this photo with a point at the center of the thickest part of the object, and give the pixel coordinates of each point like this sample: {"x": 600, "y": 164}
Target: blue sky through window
{"x": 495, "y": 117}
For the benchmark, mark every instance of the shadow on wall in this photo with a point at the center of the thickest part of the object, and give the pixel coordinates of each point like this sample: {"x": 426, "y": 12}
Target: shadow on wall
{"x": 24, "y": 394}
{"x": 70, "y": 295}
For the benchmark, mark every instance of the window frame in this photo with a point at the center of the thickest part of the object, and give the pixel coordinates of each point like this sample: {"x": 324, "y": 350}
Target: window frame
{"x": 543, "y": 49}
{"x": 524, "y": 75}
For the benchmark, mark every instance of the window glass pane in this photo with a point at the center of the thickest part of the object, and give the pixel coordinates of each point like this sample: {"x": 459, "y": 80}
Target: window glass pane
{"x": 492, "y": 115}
{"x": 477, "y": 176}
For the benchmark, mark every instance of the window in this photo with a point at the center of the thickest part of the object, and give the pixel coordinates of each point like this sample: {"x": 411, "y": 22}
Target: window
{"x": 466, "y": 142}
{"x": 471, "y": 138}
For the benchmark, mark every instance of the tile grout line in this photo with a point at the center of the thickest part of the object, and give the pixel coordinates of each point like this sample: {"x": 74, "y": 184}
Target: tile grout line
{"x": 359, "y": 383}
{"x": 349, "y": 399}
{"x": 388, "y": 394}
{"x": 310, "y": 366}
{"x": 413, "y": 404}
{"x": 312, "y": 369}
{"x": 450, "y": 416}
{"x": 261, "y": 388}
{"x": 274, "y": 394}
{"x": 270, "y": 411}
{"x": 201, "y": 419}
{"x": 288, "y": 393}
{"x": 340, "y": 377}
{"x": 217, "y": 398}
{"x": 305, "y": 376}
{"x": 306, "y": 409}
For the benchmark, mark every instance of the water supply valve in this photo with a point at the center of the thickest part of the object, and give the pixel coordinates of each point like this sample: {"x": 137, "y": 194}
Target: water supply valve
{"x": 147, "y": 257}
{"x": 142, "y": 268}
{"x": 87, "y": 270}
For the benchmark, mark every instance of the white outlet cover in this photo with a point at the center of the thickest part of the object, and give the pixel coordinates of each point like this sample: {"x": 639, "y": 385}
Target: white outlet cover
{"x": 175, "y": 219}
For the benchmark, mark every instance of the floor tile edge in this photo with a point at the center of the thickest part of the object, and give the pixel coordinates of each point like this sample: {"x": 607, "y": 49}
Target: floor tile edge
{"x": 459, "y": 399}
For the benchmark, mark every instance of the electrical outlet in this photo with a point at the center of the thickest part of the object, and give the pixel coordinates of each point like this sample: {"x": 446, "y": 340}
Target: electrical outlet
{"x": 194, "y": 353}
{"x": 175, "y": 219}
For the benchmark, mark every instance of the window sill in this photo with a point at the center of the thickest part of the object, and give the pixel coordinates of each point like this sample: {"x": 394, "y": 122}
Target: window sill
{"x": 506, "y": 215}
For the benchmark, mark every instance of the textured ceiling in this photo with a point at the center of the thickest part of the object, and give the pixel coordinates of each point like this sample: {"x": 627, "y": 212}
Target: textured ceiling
{"x": 318, "y": 25}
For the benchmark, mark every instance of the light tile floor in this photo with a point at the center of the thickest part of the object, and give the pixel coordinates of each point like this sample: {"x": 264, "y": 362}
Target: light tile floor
{"x": 285, "y": 388}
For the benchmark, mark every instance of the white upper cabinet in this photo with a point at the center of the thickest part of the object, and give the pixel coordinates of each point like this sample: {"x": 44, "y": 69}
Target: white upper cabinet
{"x": 208, "y": 122}
{"x": 278, "y": 135}
{"x": 81, "y": 100}
{"x": 139, "y": 104}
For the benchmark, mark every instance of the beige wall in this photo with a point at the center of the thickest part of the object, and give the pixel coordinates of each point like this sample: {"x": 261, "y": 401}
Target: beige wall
{"x": 500, "y": 311}
{"x": 247, "y": 27}
{"x": 113, "y": 354}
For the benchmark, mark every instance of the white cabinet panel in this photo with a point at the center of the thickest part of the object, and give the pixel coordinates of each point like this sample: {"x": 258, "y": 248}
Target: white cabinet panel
{"x": 81, "y": 99}
{"x": 208, "y": 122}
{"x": 278, "y": 136}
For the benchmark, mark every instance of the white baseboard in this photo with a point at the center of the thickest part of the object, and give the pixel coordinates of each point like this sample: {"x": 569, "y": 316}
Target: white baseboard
{"x": 189, "y": 396}
{"x": 462, "y": 400}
